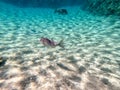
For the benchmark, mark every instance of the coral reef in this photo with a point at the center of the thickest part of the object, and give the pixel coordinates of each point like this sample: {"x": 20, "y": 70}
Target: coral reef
{"x": 104, "y": 7}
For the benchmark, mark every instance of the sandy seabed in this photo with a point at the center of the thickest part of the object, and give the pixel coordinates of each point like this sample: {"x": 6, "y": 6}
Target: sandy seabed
{"x": 90, "y": 60}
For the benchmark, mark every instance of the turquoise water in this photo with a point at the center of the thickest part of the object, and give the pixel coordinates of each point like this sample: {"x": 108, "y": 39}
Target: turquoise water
{"x": 90, "y": 60}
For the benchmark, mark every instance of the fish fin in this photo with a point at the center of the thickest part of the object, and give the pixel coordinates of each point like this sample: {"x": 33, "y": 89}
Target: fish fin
{"x": 61, "y": 44}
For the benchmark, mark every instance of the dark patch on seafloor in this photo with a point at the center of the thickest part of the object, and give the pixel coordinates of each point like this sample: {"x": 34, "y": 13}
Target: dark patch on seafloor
{"x": 63, "y": 66}
{"x": 105, "y": 81}
{"x": 81, "y": 69}
{"x": 75, "y": 78}
{"x": 24, "y": 68}
{"x": 2, "y": 61}
{"x": 3, "y": 74}
{"x": 106, "y": 70}
{"x": 61, "y": 11}
{"x": 65, "y": 82}
{"x": 72, "y": 59}
{"x": 51, "y": 67}
{"x": 28, "y": 51}
{"x": 25, "y": 82}
{"x": 43, "y": 72}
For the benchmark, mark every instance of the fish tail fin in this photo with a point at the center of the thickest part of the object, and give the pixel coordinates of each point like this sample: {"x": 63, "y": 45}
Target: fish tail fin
{"x": 61, "y": 44}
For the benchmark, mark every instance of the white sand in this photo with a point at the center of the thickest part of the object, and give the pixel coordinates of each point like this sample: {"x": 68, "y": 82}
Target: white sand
{"x": 90, "y": 60}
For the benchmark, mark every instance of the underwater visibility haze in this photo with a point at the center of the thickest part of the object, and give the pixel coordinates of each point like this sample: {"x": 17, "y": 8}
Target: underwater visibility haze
{"x": 59, "y": 45}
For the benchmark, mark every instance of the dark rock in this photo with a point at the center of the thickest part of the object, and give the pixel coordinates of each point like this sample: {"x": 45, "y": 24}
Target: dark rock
{"x": 82, "y": 69}
{"x": 51, "y": 67}
{"x": 106, "y": 70}
{"x": 24, "y": 68}
{"x": 43, "y": 72}
{"x": 28, "y": 51}
{"x": 1, "y": 58}
{"x": 61, "y": 11}
{"x": 2, "y": 61}
{"x": 75, "y": 78}
{"x": 63, "y": 66}
{"x": 102, "y": 62}
{"x": 72, "y": 59}
{"x": 95, "y": 55}
{"x": 105, "y": 81}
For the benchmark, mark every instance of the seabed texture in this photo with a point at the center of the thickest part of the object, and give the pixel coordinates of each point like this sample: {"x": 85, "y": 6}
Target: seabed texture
{"x": 90, "y": 60}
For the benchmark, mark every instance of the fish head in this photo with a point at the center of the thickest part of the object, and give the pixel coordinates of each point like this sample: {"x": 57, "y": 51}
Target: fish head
{"x": 42, "y": 39}
{"x": 45, "y": 41}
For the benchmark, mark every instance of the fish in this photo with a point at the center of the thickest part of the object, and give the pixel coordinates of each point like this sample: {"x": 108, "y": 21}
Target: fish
{"x": 51, "y": 43}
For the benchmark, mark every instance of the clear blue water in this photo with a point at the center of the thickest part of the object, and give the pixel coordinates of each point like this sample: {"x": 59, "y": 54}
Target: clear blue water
{"x": 91, "y": 57}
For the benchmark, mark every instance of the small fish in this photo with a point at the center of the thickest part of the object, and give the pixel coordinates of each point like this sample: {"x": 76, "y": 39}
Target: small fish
{"x": 50, "y": 43}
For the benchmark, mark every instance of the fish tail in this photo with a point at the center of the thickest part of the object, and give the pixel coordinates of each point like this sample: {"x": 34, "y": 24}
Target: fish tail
{"x": 61, "y": 44}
